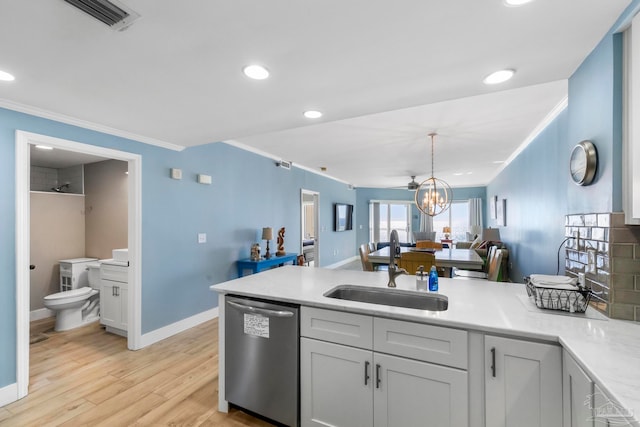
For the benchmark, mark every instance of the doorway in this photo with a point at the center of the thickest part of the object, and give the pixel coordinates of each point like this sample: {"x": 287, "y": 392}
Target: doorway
{"x": 24, "y": 140}
{"x": 309, "y": 236}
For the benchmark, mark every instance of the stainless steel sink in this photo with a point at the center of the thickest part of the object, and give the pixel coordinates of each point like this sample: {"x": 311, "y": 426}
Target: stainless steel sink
{"x": 394, "y": 297}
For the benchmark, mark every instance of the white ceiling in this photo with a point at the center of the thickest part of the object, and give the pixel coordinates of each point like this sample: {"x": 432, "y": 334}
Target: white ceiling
{"x": 174, "y": 77}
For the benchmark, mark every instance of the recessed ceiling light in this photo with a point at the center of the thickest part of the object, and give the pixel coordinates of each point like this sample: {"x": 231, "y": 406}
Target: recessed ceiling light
{"x": 469, "y": 173}
{"x": 256, "y": 72}
{"x": 312, "y": 114}
{"x": 498, "y": 77}
{"x": 44, "y": 147}
{"x": 458, "y": 174}
{"x": 6, "y": 77}
{"x": 516, "y": 2}
{"x": 497, "y": 162}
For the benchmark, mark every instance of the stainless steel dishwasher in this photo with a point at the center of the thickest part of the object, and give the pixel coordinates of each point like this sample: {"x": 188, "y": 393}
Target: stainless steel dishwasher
{"x": 262, "y": 358}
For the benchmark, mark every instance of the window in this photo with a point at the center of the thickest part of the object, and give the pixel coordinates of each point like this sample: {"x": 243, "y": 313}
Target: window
{"x": 456, "y": 217}
{"x": 387, "y": 216}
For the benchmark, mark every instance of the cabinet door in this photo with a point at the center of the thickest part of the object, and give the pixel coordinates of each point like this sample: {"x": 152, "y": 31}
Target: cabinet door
{"x": 523, "y": 383}
{"x": 110, "y": 309}
{"x": 577, "y": 394}
{"x": 124, "y": 306}
{"x": 335, "y": 385}
{"x": 412, "y": 393}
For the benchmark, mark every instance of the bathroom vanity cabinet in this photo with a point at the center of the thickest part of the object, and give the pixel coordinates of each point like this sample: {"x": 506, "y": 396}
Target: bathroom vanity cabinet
{"x": 114, "y": 297}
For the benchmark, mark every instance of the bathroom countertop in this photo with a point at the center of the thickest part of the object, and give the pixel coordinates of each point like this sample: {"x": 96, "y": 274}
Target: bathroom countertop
{"x": 607, "y": 349}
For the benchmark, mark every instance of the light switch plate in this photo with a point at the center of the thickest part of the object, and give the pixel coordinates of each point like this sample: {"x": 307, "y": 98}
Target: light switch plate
{"x": 176, "y": 173}
{"x": 202, "y": 237}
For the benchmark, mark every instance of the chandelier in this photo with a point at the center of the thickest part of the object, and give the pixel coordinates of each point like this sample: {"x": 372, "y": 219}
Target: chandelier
{"x": 433, "y": 196}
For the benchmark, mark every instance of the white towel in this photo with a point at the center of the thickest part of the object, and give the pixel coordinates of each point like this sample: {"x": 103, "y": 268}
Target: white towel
{"x": 558, "y": 282}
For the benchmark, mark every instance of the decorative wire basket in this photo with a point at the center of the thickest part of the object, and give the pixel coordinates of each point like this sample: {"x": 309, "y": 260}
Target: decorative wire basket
{"x": 573, "y": 301}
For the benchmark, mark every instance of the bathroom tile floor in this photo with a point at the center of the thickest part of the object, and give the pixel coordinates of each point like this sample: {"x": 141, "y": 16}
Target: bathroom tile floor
{"x": 87, "y": 377}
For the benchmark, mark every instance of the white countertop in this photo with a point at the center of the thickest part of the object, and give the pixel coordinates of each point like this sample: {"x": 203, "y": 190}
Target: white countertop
{"x": 608, "y": 350}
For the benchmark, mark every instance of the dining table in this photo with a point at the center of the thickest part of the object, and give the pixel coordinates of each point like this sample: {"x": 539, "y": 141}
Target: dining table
{"x": 467, "y": 259}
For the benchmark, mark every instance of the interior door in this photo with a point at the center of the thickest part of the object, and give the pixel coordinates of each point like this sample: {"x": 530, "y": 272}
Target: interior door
{"x": 309, "y": 228}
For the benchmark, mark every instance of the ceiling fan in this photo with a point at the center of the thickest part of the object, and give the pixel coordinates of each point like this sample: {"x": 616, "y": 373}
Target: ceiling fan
{"x": 411, "y": 185}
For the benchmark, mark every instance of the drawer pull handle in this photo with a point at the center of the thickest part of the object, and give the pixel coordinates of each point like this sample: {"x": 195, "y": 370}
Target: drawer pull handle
{"x": 366, "y": 372}
{"x": 378, "y": 380}
{"x": 493, "y": 362}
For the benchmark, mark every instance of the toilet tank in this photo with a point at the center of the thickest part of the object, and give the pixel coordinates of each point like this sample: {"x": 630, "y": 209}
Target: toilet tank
{"x": 94, "y": 275}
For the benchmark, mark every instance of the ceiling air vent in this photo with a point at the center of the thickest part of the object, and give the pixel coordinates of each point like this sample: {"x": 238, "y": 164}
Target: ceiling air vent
{"x": 113, "y": 13}
{"x": 283, "y": 164}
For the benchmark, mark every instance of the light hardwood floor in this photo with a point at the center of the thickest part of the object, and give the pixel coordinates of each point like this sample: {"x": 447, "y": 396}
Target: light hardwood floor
{"x": 87, "y": 377}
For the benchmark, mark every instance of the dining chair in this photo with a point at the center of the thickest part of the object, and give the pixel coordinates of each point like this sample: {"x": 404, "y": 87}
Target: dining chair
{"x": 372, "y": 247}
{"x": 411, "y": 261}
{"x": 364, "y": 257}
{"x": 494, "y": 261}
{"x": 428, "y": 244}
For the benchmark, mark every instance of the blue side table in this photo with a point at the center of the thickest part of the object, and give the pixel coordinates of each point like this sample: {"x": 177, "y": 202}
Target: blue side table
{"x": 264, "y": 264}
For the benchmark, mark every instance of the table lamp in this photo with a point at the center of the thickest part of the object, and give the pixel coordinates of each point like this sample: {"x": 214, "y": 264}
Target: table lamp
{"x": 446, "y": 231}
{"x": 491, "y": 235}
{"x": 267, "y": 234}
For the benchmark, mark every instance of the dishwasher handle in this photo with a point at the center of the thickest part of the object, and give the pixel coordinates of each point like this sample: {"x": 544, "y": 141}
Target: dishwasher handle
{"x": 258, "y": 310}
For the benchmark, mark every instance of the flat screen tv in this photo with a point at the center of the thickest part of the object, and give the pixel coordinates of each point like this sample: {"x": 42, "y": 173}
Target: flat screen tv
{"x": 343, "y": 217}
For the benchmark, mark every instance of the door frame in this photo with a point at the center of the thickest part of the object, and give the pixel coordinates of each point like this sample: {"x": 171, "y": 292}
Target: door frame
{"x": 23, "y": 140}
{"x": 316, "y": 222}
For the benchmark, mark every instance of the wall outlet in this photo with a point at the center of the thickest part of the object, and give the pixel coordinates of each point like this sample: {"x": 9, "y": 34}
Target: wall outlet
{"x": 204, "y": 179}
{"x": 202, "y": 237}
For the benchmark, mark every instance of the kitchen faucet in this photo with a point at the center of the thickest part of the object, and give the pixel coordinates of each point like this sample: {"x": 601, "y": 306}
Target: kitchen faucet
{"x": 394, "y": 270}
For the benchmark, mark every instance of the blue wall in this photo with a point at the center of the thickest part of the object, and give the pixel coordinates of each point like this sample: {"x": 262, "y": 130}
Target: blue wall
{"x": 365, "y": 195}
{"x": 248, "y": 193}
{"x": 537, "y": 185}
{"x": 534, "y": 186}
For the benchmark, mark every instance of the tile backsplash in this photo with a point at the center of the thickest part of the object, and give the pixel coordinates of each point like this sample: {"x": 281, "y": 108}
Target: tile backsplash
{"x": 608, "y": 252}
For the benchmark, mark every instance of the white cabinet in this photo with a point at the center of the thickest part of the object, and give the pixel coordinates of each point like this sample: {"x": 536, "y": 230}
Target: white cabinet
{"x": 335, "y": 384}
{"x": 577, "y": 393}
{"x": 346, "y": 385}
{"x": 114, "y": 298}
{"x": 523, "y": 383}
{"x": 585, "y": 404}
{"x": 413, "y": 393}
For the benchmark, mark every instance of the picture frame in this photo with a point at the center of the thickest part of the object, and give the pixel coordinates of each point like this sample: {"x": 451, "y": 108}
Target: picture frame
{"x": 493, "y": 201}
{"x": 501, "y": 213}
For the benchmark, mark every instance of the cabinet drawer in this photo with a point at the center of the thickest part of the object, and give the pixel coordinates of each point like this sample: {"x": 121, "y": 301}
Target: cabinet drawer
{"x": 350, "y": 329}
{"x": 436, "y": 344}
{"x": 116, "y": 273}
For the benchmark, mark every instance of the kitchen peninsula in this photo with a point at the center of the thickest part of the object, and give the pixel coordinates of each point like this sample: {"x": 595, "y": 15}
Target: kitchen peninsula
{"x": 470, "y": 347}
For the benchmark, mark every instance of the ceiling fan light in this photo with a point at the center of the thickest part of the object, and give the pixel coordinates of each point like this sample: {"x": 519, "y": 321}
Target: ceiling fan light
{"x": 500, "y": 76}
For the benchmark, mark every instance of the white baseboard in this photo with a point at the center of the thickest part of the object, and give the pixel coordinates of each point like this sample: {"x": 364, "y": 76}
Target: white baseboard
{"x": 41, "y": 313}
{"x": 177, "y": 327}
{"x": 8, "y": 394}
{"x": 343, "y": 262}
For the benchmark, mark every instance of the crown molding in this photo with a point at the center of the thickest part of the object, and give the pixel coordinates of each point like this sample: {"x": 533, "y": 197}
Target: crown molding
{"x": 550, "y": 117}
{"x": 45, "y": 114}
{"x": 271, "y": 156}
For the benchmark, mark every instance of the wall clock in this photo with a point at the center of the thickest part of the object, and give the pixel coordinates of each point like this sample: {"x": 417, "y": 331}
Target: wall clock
{"x": 583, "y": 163}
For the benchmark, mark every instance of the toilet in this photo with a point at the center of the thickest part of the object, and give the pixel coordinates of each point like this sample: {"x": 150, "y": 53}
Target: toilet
{"x": 79, "y": 306}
